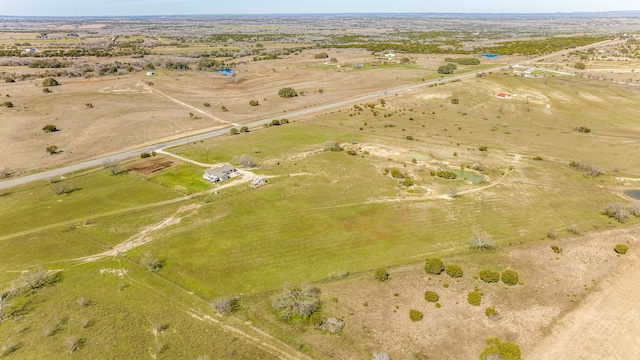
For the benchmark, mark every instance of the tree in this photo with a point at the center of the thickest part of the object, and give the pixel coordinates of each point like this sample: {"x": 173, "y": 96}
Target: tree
{"x": 34, "y": 279}
{"x": 481, "y": 241}
{"x": 381, "y": 274}
{"x": 447, "y": 69}
{"x": 4, "y": 305}
{"x": 618, "y": 211}
{"x": 49, "y": 128}
{"x": 233, "y": 131}
{"x": 287, "y": 92}
{"x": 50, "y": 82}
{"x": 244, "y": 129}
{"x": 434, "y": 266}
{"x": 299, "y": 301}
{"x": 580, "y": 65}
{"x": 322, "y": 55}
{"x": 244, "y": 160}
{"x": 225, "y": 305}
{"x": 381, "y": 356}
{"x": 52, "y": 149}
{"x": 113, "y": 166}
{"x": 254, "y": 103}
{"x": 151, "y": 262}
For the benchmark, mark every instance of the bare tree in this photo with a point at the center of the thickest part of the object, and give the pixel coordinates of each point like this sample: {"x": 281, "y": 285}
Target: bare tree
{"x": 245, "y": 161}
{"x": 481, "y": 241}
{"x": 63, "y": 187}
{"x": 225, "y": 305}
{"x": 113, "y": 166}
{"x": 453, "y": 191}
{"x": 4, "y": 304}
{"x": 297, "y": 301}
{"x": 73, "y": 343}
{"x": 34, "y": 279}
{"x": 151, "y": 262}
{"x": 381, "y": 356}
{"x": 617, "y": 211}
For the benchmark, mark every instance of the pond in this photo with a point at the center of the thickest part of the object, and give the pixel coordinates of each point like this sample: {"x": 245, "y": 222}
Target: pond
{"x": 467, "y": 175}
{"x": 633, "y": 193}
{"x": 489, "y": 56}
{"x": 225, "y": 72}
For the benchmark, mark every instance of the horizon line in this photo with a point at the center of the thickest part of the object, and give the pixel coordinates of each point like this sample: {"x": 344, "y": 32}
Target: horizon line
{"x": 327, "y": 13}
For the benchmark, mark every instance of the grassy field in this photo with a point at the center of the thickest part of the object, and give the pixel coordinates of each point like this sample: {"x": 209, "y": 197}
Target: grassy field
{"x": 321, "y": 212}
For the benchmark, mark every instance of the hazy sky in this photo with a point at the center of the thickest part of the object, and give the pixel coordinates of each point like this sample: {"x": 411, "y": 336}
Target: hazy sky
{"x": 179, "y": 7}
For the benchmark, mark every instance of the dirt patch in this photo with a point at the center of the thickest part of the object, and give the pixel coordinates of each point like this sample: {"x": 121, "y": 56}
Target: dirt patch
{"x": 152, "y": 166}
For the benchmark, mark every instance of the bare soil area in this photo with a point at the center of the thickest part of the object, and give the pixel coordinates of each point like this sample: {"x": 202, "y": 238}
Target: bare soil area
{"x": 152, "y": 166}
{"x": 578, "y": 304}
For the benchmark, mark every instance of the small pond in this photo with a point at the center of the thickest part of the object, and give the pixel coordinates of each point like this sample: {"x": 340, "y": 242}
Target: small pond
{"x": 489, "y": 56}
{"x": 633, "y": 193}
{"x": 225, "y": 72}
{"x": 467, "y": 175}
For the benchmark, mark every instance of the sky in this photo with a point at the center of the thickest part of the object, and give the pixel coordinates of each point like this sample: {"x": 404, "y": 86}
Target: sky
{"x": 192, "y": 7}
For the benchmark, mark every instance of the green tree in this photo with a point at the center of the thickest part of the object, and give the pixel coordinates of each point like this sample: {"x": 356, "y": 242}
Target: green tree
{"x": 50, "y": 82}
{"x": 254, "y": 102}
{"x": 52, "y": 149}
{"x": 233, "y": 131}
{"x": 454, "y": 271}
{"x": 433, "y": 266}
{"x": 381, "y": 274}
{"x": 287, "y": 92}
{"x": 580, "y": 65}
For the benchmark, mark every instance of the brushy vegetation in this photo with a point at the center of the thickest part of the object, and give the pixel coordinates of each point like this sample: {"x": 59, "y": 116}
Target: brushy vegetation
{"x": 501, "y": 350}
{"x": 381, "y": 274}
{"x": 433, "y": 266}
{"x": 431, "y": 296}
{"x": 489, "y": 276}
{"x": 510, "y": 277}
{"x": 454, "y": 271}
{"x": 492, "y": 313}
{"x": 225, "y": 305}
{"x": 474, "y": 297}
{"x": 621, "y": 249}
{"x": 415, "y": 315}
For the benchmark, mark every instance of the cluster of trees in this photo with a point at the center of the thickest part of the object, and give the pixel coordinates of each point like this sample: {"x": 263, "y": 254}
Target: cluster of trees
{"x": 287, "y": 92}
{"x": 447, "y": 69}
{"x": 463, "y": 61}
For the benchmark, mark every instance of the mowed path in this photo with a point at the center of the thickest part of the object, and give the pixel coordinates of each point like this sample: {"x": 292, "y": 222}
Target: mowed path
{"x": 604, "y": 326}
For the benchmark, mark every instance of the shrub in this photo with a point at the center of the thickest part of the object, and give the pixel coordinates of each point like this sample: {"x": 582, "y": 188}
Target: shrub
{"x": 431, "y": 296}
{"x": 551, "y": 234}
{"x": 52, "y": 149}
{"x": 618, "y": 211}
{"x": 254, "y": 103}
{"x": 49, "y": 128}
{"x": 580, "y": 65}
{"x": 381, "y": 274}
{"x": 489, "y": 276}
{"x": 556, "y": 249}
{"x": 47, "y": 91}
{"x": 621, "y": 249}
{"x": 434, "y": 266}
{"x": 409, "y": 137}
{"x": 381, "y": 356}
{"x": 583, "y": 129}
{"x": 501, "y": 350}
{"x": 206, "y": 104}
{"x": 50, "y": 82}
{"x": 287, "y": 93}
{"x": 396, "y": 173}
{"x": 322, "y": 55}
{"x": 244, "y": 129}
{"x": 537, "y": 158}
{"x": 415, "y": 315}
{"x": 8, "y": 79}
{"x": 407, "y": 182}
{"x": 7, "y": 104}
{"x": 224, "y": 108}
{"x": 275, "y": 122}
{"x": 299, "y": 301}
{"x": 144, "y": 155}
{"x": 445, "y": 174}
{"x": 454, "y": 271}
{"x": 483, "y": 148}
{"x": 510, "y": 277}
{"x": 455, "y": 101}
{"x": 474, "y": 297}
{"x": 492, "y": 313}
{"x": 447, "y": 69}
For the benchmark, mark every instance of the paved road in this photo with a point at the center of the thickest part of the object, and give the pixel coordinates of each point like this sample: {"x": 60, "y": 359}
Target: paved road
{"x": 225, "y": 131}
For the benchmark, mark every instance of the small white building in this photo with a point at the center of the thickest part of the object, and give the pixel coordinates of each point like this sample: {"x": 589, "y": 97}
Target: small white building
{"x": 390, "y": 56}
{"x": 258, "y": 182}
{"x": 149, "y": 73}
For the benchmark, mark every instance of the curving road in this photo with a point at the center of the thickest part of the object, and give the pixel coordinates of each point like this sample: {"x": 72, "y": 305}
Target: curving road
{"x": 225, "y": 131}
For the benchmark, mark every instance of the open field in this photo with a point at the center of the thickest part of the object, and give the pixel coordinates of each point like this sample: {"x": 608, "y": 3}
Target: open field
{"x": 125, "y": 265}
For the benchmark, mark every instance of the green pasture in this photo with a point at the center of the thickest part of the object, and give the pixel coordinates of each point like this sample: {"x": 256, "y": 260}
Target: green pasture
{"x": 37, "y": 205}
{"x": 136, "y": 315}
{"x": 185, "y": 178}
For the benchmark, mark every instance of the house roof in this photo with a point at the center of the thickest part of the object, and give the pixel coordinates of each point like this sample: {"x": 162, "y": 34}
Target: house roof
{"x": 220, "y": 171}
